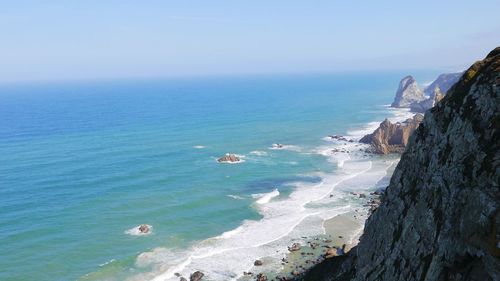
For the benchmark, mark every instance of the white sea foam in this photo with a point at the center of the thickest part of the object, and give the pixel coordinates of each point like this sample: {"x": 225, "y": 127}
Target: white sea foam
{"x": 237, "y": 197}
{"x": 398, "y": 115}
{"x": 199, "y": 146}
{"x": 230, "y": 233}
{"x": 366, "y": 129}
{"x": 136, "y": 232}
{"x": 301, "y": 213}
{"x": 233, "y": 252}
{"x": 266, "y": 197}
{"x": 106, "y": 263}
{"x": 286, "y": 147}
{"x": 258, "y": 153}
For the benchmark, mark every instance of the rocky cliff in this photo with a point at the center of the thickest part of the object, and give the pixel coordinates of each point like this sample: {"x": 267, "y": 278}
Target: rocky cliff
{"x": 443, "y": 83}
{"x": 408, "y": 93}
{"x": 440, "y": 216}
{"x": 422, "y": 106}
{"x": 392, "y": 138}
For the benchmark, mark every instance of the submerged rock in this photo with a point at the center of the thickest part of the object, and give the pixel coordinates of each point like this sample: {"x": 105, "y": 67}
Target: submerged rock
{"x": 229, "y": 158}
{"x": 277, "y": 145}
{"x": 339, "y": 138}
{"x": 392, "y": 138}
{"x": 408, "y": 93}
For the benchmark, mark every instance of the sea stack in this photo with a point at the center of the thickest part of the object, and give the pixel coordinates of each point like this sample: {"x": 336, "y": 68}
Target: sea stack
{"x": 408, "y": 93}
{"x": 392, "y": 138}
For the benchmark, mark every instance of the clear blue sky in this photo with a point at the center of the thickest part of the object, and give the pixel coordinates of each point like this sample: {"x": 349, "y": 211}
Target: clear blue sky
{"x": 57, "y": 40}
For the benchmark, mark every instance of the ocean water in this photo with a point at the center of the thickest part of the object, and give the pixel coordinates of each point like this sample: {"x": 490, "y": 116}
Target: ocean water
{"x": 83, "y": 163}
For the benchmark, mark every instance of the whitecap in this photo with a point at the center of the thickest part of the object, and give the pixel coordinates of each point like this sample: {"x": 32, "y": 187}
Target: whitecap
{"x": 226, "y": 256}
{"x": 235, "y": 197}
{"x": 230, "y": 233}
{"x": 285, "y": 147}
{"x": 258, "y": 153}
{"x": 266, "y": 197}
{"x": 199, "y": 146}
{"x": 106, "y": 263}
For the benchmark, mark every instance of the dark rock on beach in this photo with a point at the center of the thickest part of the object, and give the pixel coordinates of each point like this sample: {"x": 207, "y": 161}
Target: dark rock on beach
{"x": 439, "y": 218}
{"x": 261, "y": 277}
{"x": 257, "y": 263}
{"x": 294, "y": 247}
{"x": 196, "y": 276}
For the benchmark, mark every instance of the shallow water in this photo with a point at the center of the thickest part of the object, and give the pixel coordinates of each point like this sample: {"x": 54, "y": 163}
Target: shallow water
{"x": 84, "y": 162}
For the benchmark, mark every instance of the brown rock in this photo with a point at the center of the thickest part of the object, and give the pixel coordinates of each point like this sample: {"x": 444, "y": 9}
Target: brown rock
{"x": 392, "y": 138}
{"x": 231, "y": 158}
{"x": 294, "y": 247}
{"x": 144, "y": 228}
{"x": 261, "y": 277}
{"x": 330, "y": 253}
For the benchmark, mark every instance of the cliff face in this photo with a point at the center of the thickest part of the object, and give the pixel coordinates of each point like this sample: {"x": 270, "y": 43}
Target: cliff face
{"x": 428, "y": 103}
{"x": 392, "y": 138}
{"x": 440, "y": 216}
{"x": 443, "y": 83}
{"x": 408, "y": 92}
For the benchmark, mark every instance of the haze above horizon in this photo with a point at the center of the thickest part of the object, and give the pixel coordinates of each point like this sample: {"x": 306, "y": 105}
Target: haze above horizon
{"x": 116, "y": 39}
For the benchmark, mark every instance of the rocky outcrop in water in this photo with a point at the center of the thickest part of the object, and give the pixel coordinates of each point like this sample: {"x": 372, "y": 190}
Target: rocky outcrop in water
{"x": 408, "y": 93}
{"x": 144, "y": 228}
{"x": 440, "y": 216}
{"x": 391, "y": 138}
{"x": 229, "y": 158}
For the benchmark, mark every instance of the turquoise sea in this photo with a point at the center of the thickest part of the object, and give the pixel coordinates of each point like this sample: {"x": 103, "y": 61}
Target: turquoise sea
{"x": 81, "y": 163}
